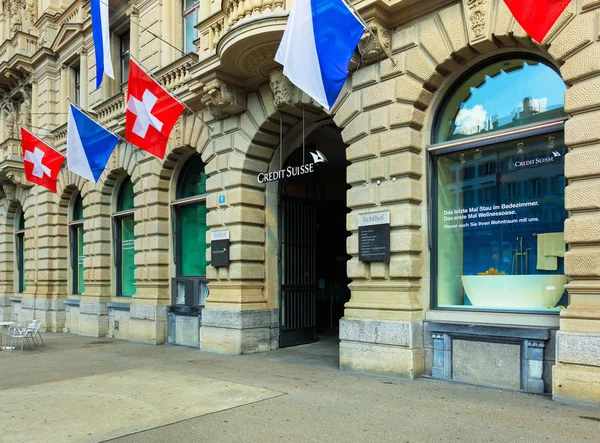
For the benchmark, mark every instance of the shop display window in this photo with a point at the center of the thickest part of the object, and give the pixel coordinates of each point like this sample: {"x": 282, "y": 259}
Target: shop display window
{"x": 499, "y": 205}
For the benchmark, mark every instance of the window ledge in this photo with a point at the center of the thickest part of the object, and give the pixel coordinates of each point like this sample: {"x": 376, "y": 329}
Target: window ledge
{"x": 71, "y": 302}
{"x": 118, "y": 306}
{"x": 534, "y": 333}
{"x": 495, "y": 318}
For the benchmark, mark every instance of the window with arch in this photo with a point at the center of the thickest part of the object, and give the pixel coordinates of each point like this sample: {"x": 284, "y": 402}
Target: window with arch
{"x": 498, "y": 190}
{"x": 77, "y": 244}
{"x": 21, "y": 284}
{"x": 189, "y": 231}
{"x": 124, "y": 225}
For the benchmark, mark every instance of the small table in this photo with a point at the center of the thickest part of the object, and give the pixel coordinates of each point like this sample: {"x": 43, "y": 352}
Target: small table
{"x": 4, "y": 324}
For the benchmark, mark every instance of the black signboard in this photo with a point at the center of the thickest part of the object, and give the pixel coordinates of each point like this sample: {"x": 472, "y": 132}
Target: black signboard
{"x": 219, "y": 248}
{"x": 374, "y": 236}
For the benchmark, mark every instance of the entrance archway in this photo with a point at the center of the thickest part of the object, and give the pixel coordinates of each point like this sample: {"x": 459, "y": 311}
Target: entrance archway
{"x": 313, "y": 281}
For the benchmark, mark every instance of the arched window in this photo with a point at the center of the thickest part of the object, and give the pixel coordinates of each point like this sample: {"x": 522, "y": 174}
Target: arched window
{"x": 189, "y": 212}
{"x": 77, "y": 244}
{"x": 503, "y": 94}
{"x": 498, "y": 190}
{"x": 20, "y": 251}
{"x": 124, "y": 224}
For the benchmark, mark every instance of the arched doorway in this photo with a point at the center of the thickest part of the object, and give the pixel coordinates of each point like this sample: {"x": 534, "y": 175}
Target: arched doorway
{"x": 313, "y": 282}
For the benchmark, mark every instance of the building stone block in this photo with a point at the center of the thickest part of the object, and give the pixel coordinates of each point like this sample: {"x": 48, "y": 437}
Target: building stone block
{"x": 410, "y": 91}
{"x": 379, "y": 94}
{"x": 584, "y": 63}
{"x": 578, "y": 348}
{"x": 357, "y": 269}
{"x": 381, "y": 359}
{"x": 384, "y": 332}
{"x": 246, "y": 271}
{"x": 378, "y": 119}
{"x": 184, "y": 330}
{"x": 366, "y": 75}
{"x": 388, "y": 69}
{"x": 574, "y": 36}
{"x": 378, "y": 270}
{"x": 401, "y": 139}
{"x": 348, "y": 110}
{"x": 582, "y": 96}
{"x": 236, "y": 332}
{"x": 402, "y": 114}
{"x": 356, "y": 173}
{"x": 431, "y": 38}
{"x": 487, "y": 363}
{"x": 356, "y": 129}
{"x": 576, "y": 384}
{"x": 408, "y": 266}
{"x": 582, "y": 229}
{"x": 404, "y": 38}
{"x": 454, "y": 25}
{"x": 583, "y": 129}
{"x": 405, "y": 163}
{"x": 377, "y": 168}
{"x": 582, "y": 262}
{"x": 360, "y": 196}
{"x": 582, "y": 196}
{"x": 405, "y": 240}
{"x": 247, "y": 252}
{"x": 367, "y": 147}
{"x": 402, "y": 189}
{"x": 582, "y": 162}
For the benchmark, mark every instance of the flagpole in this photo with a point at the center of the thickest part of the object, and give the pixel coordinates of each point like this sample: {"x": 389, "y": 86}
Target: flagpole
{"x": 370, "y": 31}
{"x": 150, "y": 74}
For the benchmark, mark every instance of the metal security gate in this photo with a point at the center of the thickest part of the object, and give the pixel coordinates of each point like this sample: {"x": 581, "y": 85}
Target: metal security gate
{"x": 297, "y": 220}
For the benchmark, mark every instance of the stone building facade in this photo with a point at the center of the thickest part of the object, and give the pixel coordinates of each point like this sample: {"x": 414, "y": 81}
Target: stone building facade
{"x": 248, "y": 120}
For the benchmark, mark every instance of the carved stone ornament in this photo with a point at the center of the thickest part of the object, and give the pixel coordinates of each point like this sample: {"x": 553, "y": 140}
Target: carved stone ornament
{"x": 10, "y": 192}
{"x": 375, "y": 45}
{"x": 477, "y": 17}
{"x": 223, "y": 100}
{"x": 282, "y": 87}
{"x": 18, "y": 178}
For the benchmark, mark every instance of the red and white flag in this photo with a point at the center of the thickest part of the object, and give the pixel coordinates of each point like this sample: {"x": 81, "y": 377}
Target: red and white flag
{"x": 537, "y": 16}
{"x": 41, "y": 162}
{"x": 151, "y": 112}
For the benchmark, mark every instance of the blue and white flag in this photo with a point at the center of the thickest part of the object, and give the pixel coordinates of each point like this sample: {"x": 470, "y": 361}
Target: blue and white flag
{"x": 316, "y": 47}
{"x": 101, "y": 34}
{"x": 89, "y": 145}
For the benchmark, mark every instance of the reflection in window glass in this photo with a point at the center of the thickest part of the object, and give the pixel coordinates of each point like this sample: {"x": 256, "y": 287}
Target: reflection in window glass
{"x": 125, "y": 227}
{"x": 502, "y": 247}
{"x": 502, "y": 95}
{"x": 193, "y": 229}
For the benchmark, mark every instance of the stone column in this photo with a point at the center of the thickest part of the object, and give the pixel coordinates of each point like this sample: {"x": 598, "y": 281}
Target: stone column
{"x": 83, "y": 79}
{"x": 382, "y": 328}
{"x": 167, "y": 32}
{"x": 134, "y": 33}
{"x": 148, "y": 312}
{"x": 34, "y": 106}
{"x": 31, "y": 255}
{"x": 576, "y": 375}
{"x": 52, "y": 247}
{"x": 63, "y": 93}
{"x": 93, "y": 317}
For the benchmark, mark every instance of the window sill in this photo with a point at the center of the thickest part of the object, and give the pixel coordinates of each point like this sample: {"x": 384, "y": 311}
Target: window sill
{"x": 118, "y": 306}
{"x": 71, "y": 302}
{"x": 495, "y": 318}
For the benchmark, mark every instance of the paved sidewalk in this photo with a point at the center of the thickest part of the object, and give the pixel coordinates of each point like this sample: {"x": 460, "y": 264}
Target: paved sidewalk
{"x": 85, "y": 389}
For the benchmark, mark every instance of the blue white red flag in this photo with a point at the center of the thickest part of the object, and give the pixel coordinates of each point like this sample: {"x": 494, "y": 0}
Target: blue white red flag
{"x": 101, "y": 34}
{"x": 89, "y": 145}
{"x": 316, "y": 47}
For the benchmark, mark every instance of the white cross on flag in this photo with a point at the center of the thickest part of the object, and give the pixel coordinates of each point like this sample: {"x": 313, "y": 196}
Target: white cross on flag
{"x": 151, "y": 112}
{"x": 41, "y": 162}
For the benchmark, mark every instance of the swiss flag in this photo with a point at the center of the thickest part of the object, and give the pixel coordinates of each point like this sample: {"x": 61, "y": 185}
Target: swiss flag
{"x": 41, "y": 162}
{"x": 151, "y": 112}
{"x": 537, "y": 16}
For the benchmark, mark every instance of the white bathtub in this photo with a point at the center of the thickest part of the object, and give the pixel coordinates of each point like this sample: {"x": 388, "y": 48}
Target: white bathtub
{"x": 514, "y": 291}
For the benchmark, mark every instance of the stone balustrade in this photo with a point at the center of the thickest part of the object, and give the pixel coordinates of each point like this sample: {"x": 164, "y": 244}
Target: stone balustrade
{"x": 108, "y": 111}
{"x": 75, "y": 13}
{"x": 20, "y": 44}
{"x": 233, "y": 13}
{"x": 174, "y": 76}
{"x": 60, "y": 138}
